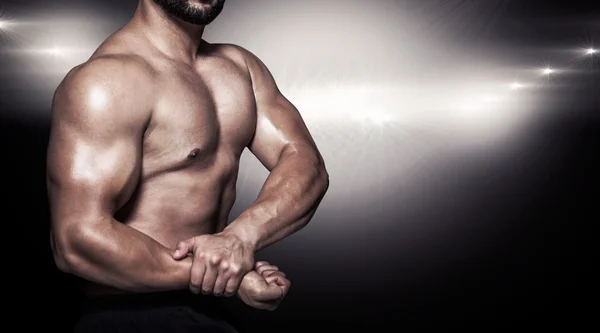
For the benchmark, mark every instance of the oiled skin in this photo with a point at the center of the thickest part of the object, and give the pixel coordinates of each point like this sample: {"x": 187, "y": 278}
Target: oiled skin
{"x": 144, "y": 152}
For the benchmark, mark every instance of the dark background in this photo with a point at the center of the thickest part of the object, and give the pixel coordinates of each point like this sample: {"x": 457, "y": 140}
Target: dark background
{"x": 522, "y": 251}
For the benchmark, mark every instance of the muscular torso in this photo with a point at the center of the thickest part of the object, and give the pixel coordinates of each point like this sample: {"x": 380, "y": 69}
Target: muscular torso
{"x": 201, "y": 122}
{"x": 202, "y": 118}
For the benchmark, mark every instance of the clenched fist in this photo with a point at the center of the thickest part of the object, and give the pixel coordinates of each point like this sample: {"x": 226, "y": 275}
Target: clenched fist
{"x": 264, "y": 287}
{"x": 220, "y": 262}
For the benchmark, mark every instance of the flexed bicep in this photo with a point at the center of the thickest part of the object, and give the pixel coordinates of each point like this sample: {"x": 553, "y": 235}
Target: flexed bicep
{"x": 94, "y": 152}
{"x": 99, "y": 116}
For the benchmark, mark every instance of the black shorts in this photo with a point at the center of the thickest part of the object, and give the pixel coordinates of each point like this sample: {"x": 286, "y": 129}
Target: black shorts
{"x": 172, "y": 312}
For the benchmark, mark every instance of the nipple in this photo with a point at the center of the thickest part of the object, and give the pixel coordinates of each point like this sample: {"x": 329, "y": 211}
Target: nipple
{"x": 194, "y": 153}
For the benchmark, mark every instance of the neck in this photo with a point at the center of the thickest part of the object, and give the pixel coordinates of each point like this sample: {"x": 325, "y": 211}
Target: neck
{"x": 173, "y": 37}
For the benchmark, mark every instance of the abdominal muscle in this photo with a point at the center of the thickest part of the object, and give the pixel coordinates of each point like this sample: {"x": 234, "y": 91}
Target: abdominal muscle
{"x": 175, "y": 207}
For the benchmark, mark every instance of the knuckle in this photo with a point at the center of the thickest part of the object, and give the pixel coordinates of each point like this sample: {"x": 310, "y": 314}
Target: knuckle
{"x": 235, "y": 269}
{"x": 225, "y": 265}
{"x": 215, "y": 259}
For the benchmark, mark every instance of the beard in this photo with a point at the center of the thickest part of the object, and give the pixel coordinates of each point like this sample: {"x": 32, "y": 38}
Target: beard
{"x": 188, "y": 12}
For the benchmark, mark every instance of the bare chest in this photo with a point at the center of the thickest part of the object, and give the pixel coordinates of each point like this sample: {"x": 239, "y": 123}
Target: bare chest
{"x": 198, "y": 116}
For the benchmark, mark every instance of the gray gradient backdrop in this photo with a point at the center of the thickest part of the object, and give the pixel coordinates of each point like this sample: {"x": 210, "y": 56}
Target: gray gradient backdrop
{"x": 453, "y": 195}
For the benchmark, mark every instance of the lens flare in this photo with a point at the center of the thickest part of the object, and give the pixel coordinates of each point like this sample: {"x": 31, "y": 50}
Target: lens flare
{"x": 516, "y": 86}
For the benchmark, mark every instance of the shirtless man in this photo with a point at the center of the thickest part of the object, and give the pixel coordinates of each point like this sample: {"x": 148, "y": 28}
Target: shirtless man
{"x": 145, "y": 144}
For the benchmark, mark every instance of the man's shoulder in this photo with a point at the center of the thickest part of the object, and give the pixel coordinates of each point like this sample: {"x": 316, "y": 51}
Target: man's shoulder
{"x": 118, "y": 58}
{"x": 112, "y": 69}
{"x": 112, "y": 72}
{"x": 237, "y": 53}
{"x": 106, "y": 83}
{"x": 230, "y": 50}
{"x": 245, "y": 58}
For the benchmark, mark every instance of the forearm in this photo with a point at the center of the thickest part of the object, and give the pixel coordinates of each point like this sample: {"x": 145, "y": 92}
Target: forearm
{"x": 287, "y": 201}
{"x": 119, "y": 256}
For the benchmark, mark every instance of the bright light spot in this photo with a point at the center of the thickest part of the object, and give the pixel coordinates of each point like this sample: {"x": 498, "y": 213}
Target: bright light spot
{"x": 591, "y": 51}
{"x": 56, "y": 51}
{"x": 548, "y": 71}
{"x": 2, "y": 24}
{"x": 516, "y": 86}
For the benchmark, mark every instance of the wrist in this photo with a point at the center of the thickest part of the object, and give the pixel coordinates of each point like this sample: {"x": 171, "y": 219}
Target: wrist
{"x": 175, "y": 271}
{"x": 245, "y": 235}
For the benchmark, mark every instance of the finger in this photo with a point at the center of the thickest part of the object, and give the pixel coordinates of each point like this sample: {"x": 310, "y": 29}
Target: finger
{"x": 234, "y": 282}
{"x": 183, "y": 248}
{"x": 279, "y": 278}
{"x": 272, "y": 278}
{"x": 260, "y": 263}
{"x": 266, "y": 274}
{"x": 197, "y": 275}
{"x": 280, "y": 281}
{"x": 284, "y": 284}
{"x": 222, "y": 279}
{"x": 210, "y": 276}
{"x": 263, "y": 268}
